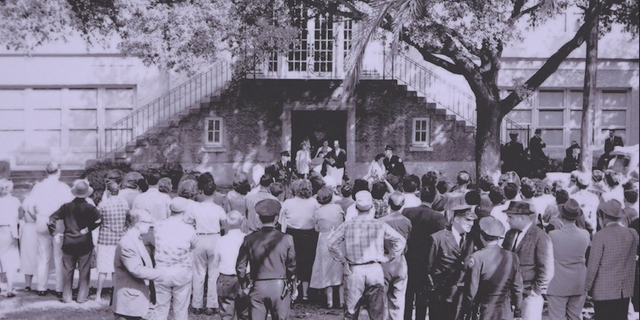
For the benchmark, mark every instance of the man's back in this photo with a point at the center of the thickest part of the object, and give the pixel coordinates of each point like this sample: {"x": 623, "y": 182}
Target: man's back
{"x": 569, "y": 248}
{"x": 612, "y": 263}
{"x": 535, "y": 252}
{"x": 270, "y": 253}
{"x": 174, "y": 240}
{"x": 154, "y": 201}
{"x": 253, "y": 221}
{"x": 424, "y": 222}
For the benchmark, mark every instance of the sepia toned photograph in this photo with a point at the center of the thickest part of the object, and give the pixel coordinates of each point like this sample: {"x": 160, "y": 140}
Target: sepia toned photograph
{"x": 319, "y": 159}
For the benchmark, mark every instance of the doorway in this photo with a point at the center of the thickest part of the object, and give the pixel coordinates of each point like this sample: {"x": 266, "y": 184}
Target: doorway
{"x": 318, "y": 126}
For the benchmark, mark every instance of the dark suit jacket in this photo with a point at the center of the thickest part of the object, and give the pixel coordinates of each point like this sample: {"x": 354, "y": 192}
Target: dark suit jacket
{"x": 281, "y": 172}
{"x": 535, "y": 252}
{"x": 493, "y": 276}
{"x": 132, "y": 266}
{"x": 340, "y": 158}
{"x": 535, "y": 147}
{"x": 609, "y": 145}
{"x": 395, "y": 166}
{"x": 446, "y": 263}
{"x": 611, "y": 265}
{"x": 424, "y": 222}
{"x": 271, "y": 254}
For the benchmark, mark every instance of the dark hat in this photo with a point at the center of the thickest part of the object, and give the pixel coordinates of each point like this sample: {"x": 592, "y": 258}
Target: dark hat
{"x": 388, "y": 147}
{"x": 518, "y": 207}
{"x": 81, "y": 189}
{"x": 464, "y": 211}
{"x": 511, "y": 134}
{"x": 538, "y": 131}
{"x": 285, "y": 154}
{"x": 612, "y": 208}
{"x": 571, "y": 210}
{"x": 492, "y": 227}
{"x": 52, "y": 167}
{"x": 268, "y": 208}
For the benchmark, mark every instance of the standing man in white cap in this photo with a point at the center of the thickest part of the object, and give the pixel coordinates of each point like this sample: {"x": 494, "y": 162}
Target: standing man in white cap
{"x": 364, "y": 240}
{"x": 79, "y": 218}
{"x": 46, "y": 197}
{"x": 175, "y": 240}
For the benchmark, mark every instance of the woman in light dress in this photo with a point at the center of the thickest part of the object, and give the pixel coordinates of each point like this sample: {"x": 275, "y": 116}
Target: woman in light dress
{"x": 377, "y": 171}
{"x": 303, "y": 159}
{"x": 10, "y": 210}
{"x": 327, "y": 272}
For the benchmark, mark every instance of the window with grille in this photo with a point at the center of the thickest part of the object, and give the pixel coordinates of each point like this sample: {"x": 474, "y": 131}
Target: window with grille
{"x": 347, "y": 34}
{"x": 421, "y": 131}
{"x": 214, "y": 131}
{"x": 323, "y": 44}
{"x": 298, "y": 53}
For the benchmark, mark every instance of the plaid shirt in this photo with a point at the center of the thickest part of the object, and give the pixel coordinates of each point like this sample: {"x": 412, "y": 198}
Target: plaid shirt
{"x": 364, "y": 241}
{"x": 382, "y": 208}
{"x": 114, "y": 213}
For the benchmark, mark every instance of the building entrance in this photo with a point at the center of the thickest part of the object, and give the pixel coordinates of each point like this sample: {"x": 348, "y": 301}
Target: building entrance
{"x": 317, "y": 126}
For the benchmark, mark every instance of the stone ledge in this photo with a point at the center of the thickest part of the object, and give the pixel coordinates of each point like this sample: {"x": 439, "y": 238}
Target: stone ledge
{"x": 214, "y": 149}
{"x": 420, "y": 148}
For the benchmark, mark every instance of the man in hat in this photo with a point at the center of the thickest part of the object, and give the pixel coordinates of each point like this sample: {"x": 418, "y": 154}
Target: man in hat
{"x": 446, "y": 259}
{"x": 535, "y": 251}
{"x": 273, "y": 265}
{"x": 79, "y": 219}
{"x": 283, "y": 170}
{"x": 565, "y": 294}
{"x": 364, "y": 239}
{"x": 494, "y": 281}
{"x": 45, "y": 198}
{"x": 538, "y": 157}
{"x": 175, "y": 240}
{"x": 395, "y": 272}
{"x": 424, "y": 222}
{"x": 393, "y": 163}
{"x": 611, "y": 266}
{"x": 512, "y": 154}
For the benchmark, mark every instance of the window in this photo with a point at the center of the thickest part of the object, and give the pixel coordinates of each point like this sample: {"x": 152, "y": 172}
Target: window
{"x": 421, "y": 132}
{"x": 214, "y": 131}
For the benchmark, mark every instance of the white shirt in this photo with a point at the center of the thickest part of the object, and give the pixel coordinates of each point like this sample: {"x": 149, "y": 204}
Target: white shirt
{"x": 456, "y": 235}
{"x": 497, "y": 213}
{"x": 589, "y": 203}
{"x": 522, "y": 233}
{"x": 411, "y": 201}
{"x": 226, "y": 251}
{"x": 154, "y": 201}
{"x": 46, "y": 197}
{"x": 207, "y": 216}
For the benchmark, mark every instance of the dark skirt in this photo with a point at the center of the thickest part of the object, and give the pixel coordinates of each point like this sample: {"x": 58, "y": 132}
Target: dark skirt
{"x": 304, "y": 242}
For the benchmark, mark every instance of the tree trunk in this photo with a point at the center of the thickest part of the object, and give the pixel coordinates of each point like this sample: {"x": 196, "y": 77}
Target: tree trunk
{"x": 587, "y": 142}
{"x": 488, "y": 138}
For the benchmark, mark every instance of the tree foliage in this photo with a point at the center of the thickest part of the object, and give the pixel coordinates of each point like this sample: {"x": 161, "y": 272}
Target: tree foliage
{"x": 172, "y": 34}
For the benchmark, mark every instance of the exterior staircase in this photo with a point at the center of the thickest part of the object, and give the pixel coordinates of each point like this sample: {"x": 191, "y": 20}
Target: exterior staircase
{"x": 166, "y": 111}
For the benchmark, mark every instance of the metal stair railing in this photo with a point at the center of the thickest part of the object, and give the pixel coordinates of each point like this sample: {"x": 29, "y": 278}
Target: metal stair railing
{"x": 444, "y": 94}
{"x": 206, "y": 84}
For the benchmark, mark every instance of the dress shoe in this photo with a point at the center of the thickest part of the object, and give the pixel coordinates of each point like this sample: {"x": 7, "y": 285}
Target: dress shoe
{"x": 197, "y": 310}
{"x": 10, "y": 294}
{"x": 27, "y": 288}
{"x": 41, "y": 293}
{"x": 210, "y": 311}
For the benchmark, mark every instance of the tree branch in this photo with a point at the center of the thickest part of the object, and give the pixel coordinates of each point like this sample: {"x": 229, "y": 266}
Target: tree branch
{"x": 442, "y": 63}
{"x": 554, "y": 61}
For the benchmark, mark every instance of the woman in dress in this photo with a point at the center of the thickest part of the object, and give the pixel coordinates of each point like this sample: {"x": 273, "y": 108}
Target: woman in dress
{"x": 303, "y": 160}
{"x": 327, "y": 272}
{"x": 377, "y": 170}
{"x": 296, "y": 219}
{"x": 10, "y": 208}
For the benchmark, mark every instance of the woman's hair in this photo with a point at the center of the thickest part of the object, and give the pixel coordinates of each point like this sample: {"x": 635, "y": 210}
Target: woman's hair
{"x": 359, "y": 185}
{"x": 379, "y": 156}
{"x": 378, "y": 190}
{"x": 188, "y": 189}
{"x": 241, "y": 183}
{"x": 302, "y": 188}
{"x": 562, "y": 196}
{"x": 165, "y": 185}
{"x": 325, "y": 195}
{"x": 206, "y": 183}
{"x": 429, "y": 178}
{"x": 496, "y": 195}
{"x": 276, "y": 189}
{"x": 6, "y": 187}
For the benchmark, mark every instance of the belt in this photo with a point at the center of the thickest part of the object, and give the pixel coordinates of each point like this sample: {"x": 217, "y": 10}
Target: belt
{"x": 5, "y": 225}
{"x": 363, "y": 264}
{"x": 207, "y": 234}
{"x": 276, "y": 279}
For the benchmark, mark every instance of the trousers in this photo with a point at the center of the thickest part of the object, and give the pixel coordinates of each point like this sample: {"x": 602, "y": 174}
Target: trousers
{"x": 365, "y": 286}
{"x": 611, "y": 309}
{"x": 395, "y": 281}
{"x": 69, "y": 261}
{"x": 174, "y": 292}
{"x": 47, "y": 248}
{"x": 203, "y": 265}
{"x": 231, "y": 302}
{"x": 532, "y": 307}
{"x": 265, "y": 297}
{"x": 569, "y": 307}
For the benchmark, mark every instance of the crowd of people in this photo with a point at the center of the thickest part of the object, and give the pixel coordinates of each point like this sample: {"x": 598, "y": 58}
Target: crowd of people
{"x": 394, "y": 244}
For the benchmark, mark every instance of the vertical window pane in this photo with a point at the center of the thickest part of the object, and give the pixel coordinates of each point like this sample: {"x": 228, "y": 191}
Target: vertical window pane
{"x": 575, "y": 120}
{"x": 210, "y": 136}
{"x": 217, "y": 125}
{"x": 217, "y": 137}
{"x": 423, "y": 137}
{"x": 575, "y": 135}
{"x": 575, "y": 99}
